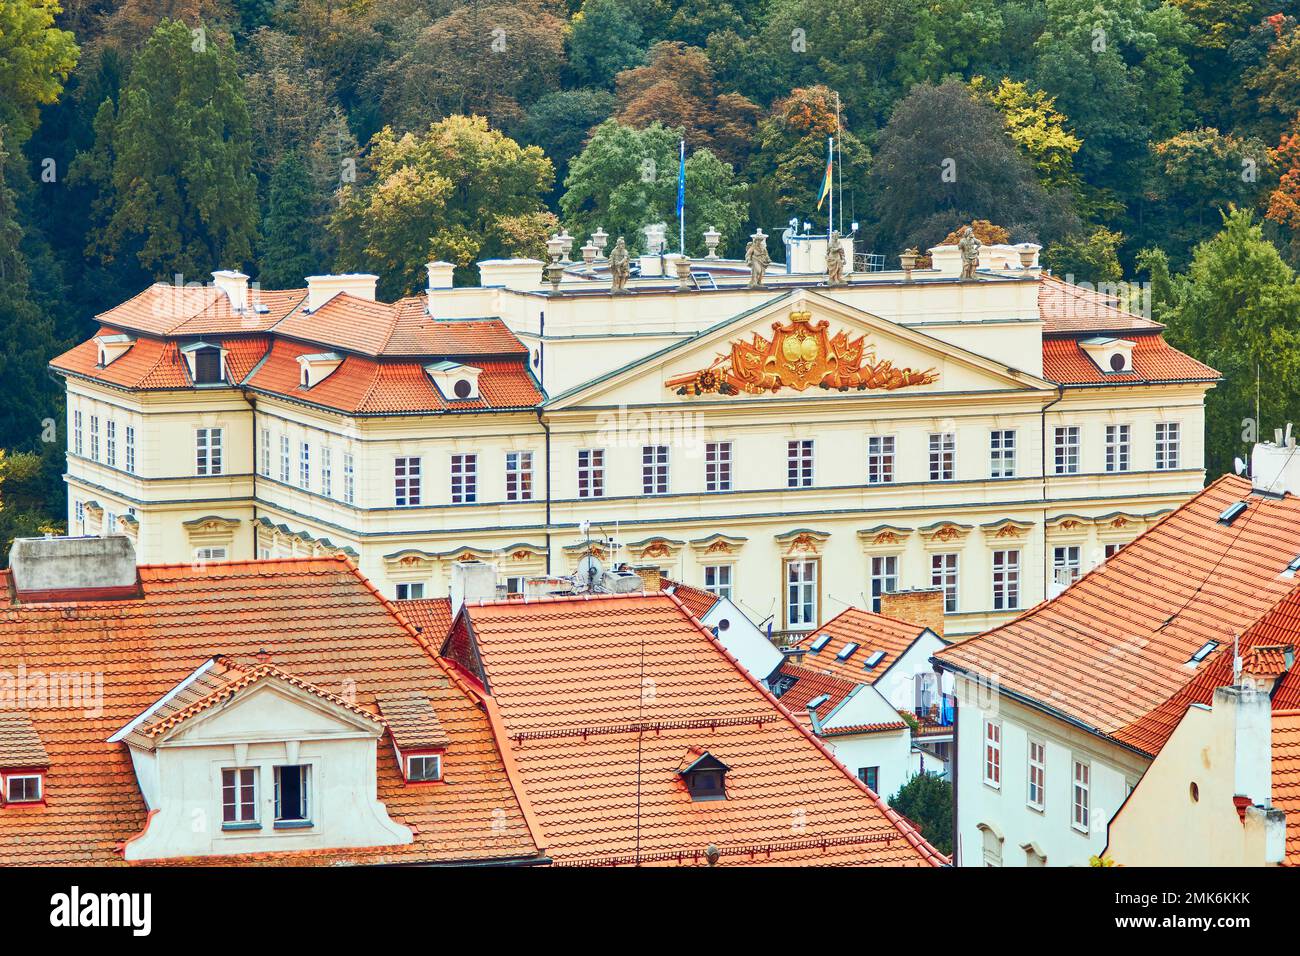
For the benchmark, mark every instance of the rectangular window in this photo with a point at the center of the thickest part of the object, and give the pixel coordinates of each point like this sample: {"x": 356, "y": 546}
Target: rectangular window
{"x": 884, "y": 578}
{"x": 291, "y": 795}
{"x": 411, "y": 591}
{"x": 80, "y": 511}
{"x": 515, "y": 584}
{"x": 76, "y": 431}
{"x": 717, "y": 466}
{"x": 654, "y": 469}
{"x": 406, "y": 481}
{"x": 1112, "y": 550}
{"x": 1002, "y": 453}
{"x": 327, "y": 471}
{"x": 130, "y": 449}
{"x": 992, "y": 753}
{"x": 239, "y": 795}
{"x": 349, "y": 479}
{"x": 110, "y": 442}
{"x": 1067, "y": 450}
{"x": 591, "y": 473}
{"x": 1166, "y": 445}
{"x": 264, "y": 454}
{"x": 1117, "y": 448}
{"x": 1006, "y": 580}
{"x": 1037, "y": 773}
{"x": 284, "y": 458}
{"x": 209, "y": 554}
{"x": 1082, "y": 784}
{"x": 799, "y": 463}
{"x": 801, "y": 594}
{"x": 94, "y": 437}
{"x": 519, "y": 476}
{"x": 304, "y": 465}
{"x": 23, "y": 788}
{"x": 424, "y": 768}
{"x": 880, "y": 459}
{"x": 717, "y": 580}
{"x": 1066, "y": 565}
{"x": 943, "y": 574}
{"x": 464, "y": 479}
{"x": 871, "y": 777}
{"x": 207, "y": 454}
{"x": 943, "y": 456}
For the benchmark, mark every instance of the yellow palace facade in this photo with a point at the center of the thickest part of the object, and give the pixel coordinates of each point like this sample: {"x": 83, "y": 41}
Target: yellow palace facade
{"x": 799, "y": 447}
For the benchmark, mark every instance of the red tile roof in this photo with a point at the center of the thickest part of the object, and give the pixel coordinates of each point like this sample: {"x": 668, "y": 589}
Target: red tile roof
{"x": 1070, "y": 308}
{"x": 153, "y": 363}
{"x": 321, "y": 622}
{"x": 1286, "y": 777}
{"x": 1154, "y": 360}
{"x": 430, "y": 616}
{"x": 871, "y": 632}
{"x": 699, "y": 602}
{"x": 601, "y": 696}
{"x": 1113, "y": 650}
{"x": 811, "y": 684}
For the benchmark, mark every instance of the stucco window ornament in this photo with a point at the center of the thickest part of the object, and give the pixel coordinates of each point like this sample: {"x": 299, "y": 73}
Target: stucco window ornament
{"x": 800, "y": 355}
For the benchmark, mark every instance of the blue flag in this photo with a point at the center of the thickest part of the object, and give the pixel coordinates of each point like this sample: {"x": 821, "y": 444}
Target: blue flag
{"x": 681, "y": 196}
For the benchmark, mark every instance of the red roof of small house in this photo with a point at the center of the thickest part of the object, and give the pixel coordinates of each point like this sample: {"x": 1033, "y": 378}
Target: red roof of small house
{"x": 698, "y": 601}
{"x": 323, "y": 625}
{"x": 1114, "y": 651}
{"x": 430, "y": 616}
{"x": 1154, "y": 361}
{"x": 810, "y": 684}
{"x": 871, "y": 632}
{"x": 600, "y": 697}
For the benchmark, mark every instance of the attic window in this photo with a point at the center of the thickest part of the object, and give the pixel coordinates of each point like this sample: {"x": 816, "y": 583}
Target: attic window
{"x": 1205, "y": 650}
{"x": 1294, "y": 566}
{"x": 24, "y": 787}
{"x": 818, "y": 701}
{"x": 705, "y": 777}
{"x": 821, "y": 641}
{"x": 456, "y": 382}
{"x": 847, "y": 651}
{"x": 207, "y": 366}
{"x": 875, "y": 658}
{"x": 424, "y": 768}
{"x": 1232, "y": 512}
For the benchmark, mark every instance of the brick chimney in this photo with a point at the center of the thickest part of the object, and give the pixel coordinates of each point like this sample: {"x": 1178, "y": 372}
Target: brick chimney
{"x": 921, "y": 606}
{"x": 651, "y": 577}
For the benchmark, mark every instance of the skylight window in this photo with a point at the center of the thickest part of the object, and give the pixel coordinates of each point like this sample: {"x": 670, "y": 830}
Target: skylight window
{"x": 1205, "y": 650}
{"x": 1294, "y": 567}
{"x": 847, "y": 651}
{"x": 818, "y": 701}
{"x": 820, "y": 642}
{"x": 875, "y": 658}
{"x": 1232, "y": 512}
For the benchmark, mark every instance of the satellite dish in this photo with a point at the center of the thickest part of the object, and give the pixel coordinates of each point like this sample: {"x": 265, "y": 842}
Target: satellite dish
{"x": 589, "y": 570}
{"x": 1238, "y": 466}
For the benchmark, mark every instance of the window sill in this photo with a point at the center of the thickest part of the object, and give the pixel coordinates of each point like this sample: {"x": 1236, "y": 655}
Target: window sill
{"x": 293, "y": 824}
{"x": 1036, "y": 809}
{"x": 997, "y": 787}
{"x": 1082, "y": 831}
{"x": 241, "y": 826}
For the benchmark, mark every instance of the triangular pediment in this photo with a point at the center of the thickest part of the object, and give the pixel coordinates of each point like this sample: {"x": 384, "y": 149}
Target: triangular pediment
{"x": 801, "y": 346}
{"x": 271, "y": 709}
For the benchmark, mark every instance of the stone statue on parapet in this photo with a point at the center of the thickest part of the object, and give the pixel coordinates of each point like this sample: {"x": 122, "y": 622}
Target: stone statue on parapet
{"x": 835, "y": 261}
{"x": 757, "y": 259}
{"x": 970, "y": 253}
{"x": 620, "y": 267}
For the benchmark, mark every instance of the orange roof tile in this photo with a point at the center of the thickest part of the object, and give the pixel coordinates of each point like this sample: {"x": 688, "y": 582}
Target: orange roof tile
{"x": 430, "y": 616}
{"x": 1286, "y": 777}
{"x": 1113, "y": 651}
{"x": 811, "y": 684}
{"x": 699, "y": 602}
{"x": 1071, "y": 308}
{"x": 871, "y": 632}
{"x": 600, "y": 697}
{"x": 323, "y": 623}
{"x": 20, "y": 744}
{"x": 1154, "y": 360}
{"x": 412, "y": 721}
{"x": 153, "y": 363}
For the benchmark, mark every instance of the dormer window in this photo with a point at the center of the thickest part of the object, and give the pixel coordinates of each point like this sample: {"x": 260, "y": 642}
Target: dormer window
{"x": 313, "y": 369}
{"x": 292, "y": 797}
{"x": 454, "y": 381}
{"x": 424, "y": 768}
{"x": 1112, "y": 356}
{"x": 704, "y": 775}
{"x": 111, "y": 347}
{"x": 207, "y": 363}
{"x": 24, "y": 787}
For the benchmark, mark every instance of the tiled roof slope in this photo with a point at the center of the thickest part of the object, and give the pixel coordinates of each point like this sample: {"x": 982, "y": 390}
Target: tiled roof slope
{"x": 699, "y": 602}
{"x": 163, "y": 309}
{"x": 430, "y": 616}
{"x": 153, "y": 363}
{"x": 871, "y": 632}
{"x": 20, "y": 744}
{"x": 601, "y": 696}
{"x": 811, "y": 684}
{"x": 1113, "y": 649}
{"x": 1154, "y": 360}
{"x": 321, "y": 621}
{"x": 1286, "y": 777}
{"x": 1067, "y": 308}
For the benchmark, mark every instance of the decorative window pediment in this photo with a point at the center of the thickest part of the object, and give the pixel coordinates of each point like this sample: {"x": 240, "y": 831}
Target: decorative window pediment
{"x": 802, "y": 541}
{"x": 717, "y": 546}
{"x": 655, "y": 549}
{"x": 944, "y": 533}
{"x": 1007, "y": 528}
{"x": 884, "y": 536}
{"x": 455, "y": 382}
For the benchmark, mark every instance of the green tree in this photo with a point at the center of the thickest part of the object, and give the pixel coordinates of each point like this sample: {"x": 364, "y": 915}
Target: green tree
{"x": 1086, "y": 257}
{"x": 926, "y": 800}
{"x": 604, "y": 40}
{"x": 25, "y": 507}
{"x": 1039, "y": 131}
{"x": 35, "y": 60}
{"x": 459, "y": 191}
{"x": 1237, "y": 308}
{"x": 287, "y": 252}
{"x": 172, "y": 163}
{"x": 560, "y": 123}
{"x": 627, "y": 178}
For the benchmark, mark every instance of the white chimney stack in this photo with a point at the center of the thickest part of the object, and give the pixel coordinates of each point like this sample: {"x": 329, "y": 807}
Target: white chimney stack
{"x": 1275, "y": 466}
{"x": 320, "y": 289}
{"x": 440, "y": 274}
{"x": 234, "y": 285}
{"x": 472, "y": 581}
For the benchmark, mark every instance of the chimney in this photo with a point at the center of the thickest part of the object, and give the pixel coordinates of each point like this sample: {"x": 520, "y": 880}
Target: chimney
{"x": 921, "y": 606}
{"x": 320, "y": 289}
{"x": 1264, "y": 665}
{"x": 522, "y": 275}
{"x": 472, "y": 581}
{"x": 73, "y": 569}
{"x": 1250, "y": 718}
{"x": 651, "y": 577}
{"x": 440, "y": 274}
{"x": 234, "y": 285}
{"x": 1275, "y": 466}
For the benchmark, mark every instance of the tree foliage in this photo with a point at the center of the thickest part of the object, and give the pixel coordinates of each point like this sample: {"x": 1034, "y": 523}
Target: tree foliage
{"x": 926, "y": 800}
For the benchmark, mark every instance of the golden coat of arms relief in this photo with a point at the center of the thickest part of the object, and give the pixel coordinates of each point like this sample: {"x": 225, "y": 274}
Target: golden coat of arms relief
{"x": 800, "y": 355}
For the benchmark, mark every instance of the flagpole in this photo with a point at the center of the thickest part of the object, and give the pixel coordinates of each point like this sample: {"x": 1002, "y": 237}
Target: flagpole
{"x": 830, "y": 165}
{"x": 839, "y": 154}
{"x": 681, "y": 200}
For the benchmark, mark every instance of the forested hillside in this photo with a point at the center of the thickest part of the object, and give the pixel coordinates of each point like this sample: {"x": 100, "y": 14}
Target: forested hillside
{"x": 1135, "y": 139}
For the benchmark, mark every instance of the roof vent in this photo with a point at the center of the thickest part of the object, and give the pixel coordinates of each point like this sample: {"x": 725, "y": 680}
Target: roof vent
{"x": 1232, "y": 512}
{"x": 818, "y": 701}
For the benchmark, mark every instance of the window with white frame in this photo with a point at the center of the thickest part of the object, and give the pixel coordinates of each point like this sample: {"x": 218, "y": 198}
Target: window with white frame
{"x": 1066, "y": 450}
{"x": 993, "y": 753}
{"x": 424, "y": 768}
{"x": 1167, "y": 445}
{"x": 1006, "y": 580}
{"x": 717, "y": 580}
{"x": 519, "y": 476}
{"x": 110, "y": 443}
{"x": 880, "y": 459}
{"x": 1082, "y": 787}
{"x": 464, "y": 479}
{"x": 210, "y": 554}
{"x": 94, "y": 437}
{"x": 1037, "y": 767}
{"x": 130, "y": 449}
{"x": 801, "y": 595}
{"x": 717, "y": 466}
{"x": 943, "y": 574}
{"x": 1066, "y": 564}
{"x": 1002, "y": 453}
{"x": 264, "y": 454}
{"x": 23, "y": 788}
{"x": 292, "y": 795}
{"x": 591, "y": 472}
{"x": 76, "y": 431}
{"x": 238, "y": 796}
{"x": 1117, "y": 448}
{"x": 943, "y": 456}
{"x": 410, "y": 590}
{"x": 207, "y": 451}
{"x": 654, "y": 469}
{"x": 799, "y": 463}
{"x": 884, "y": 578}
{"x": 284, "y": 458}
{"x": 80, "y": 511}
{"x": 327, "y": 471}
{"x": 304, "y": 465}
{"x": 349, "y": 479}
{"x": 406, "y": 481}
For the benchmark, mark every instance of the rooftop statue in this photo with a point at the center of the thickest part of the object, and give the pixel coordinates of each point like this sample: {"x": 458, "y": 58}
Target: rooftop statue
{"x": 970, "y": 253}
{"x": 835, "y": 261}
{"x": 757, "y": 259}
{"x": 619, "y": 266}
